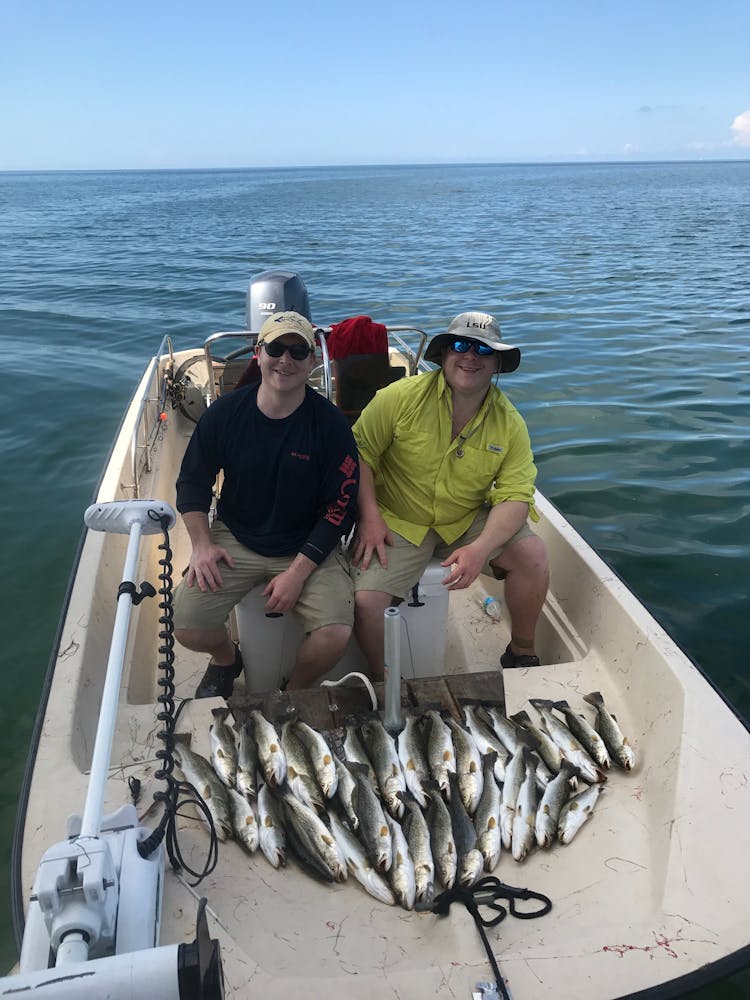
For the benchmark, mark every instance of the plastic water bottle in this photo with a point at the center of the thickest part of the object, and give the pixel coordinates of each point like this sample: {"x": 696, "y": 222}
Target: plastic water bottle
{"x": 491, "y": 606}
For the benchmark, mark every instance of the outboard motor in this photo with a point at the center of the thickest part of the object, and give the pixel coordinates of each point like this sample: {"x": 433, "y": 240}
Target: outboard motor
{"x": 275, "y": 291}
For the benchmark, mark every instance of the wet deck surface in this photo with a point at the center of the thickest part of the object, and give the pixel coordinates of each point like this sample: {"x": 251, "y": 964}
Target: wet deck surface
{"x": 328, "y": 709}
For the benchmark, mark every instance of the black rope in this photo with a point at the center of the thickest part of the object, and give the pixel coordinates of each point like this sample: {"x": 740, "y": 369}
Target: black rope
{"x": 174, "y": 796}
{"x": 486, "y": 892}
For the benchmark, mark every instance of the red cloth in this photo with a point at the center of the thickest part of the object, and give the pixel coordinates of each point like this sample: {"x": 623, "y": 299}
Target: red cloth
{"x": 357, "y": 335}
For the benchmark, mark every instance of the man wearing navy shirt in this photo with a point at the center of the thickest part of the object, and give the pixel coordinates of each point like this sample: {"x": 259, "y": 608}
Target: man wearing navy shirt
{"x": 289, "y": 493}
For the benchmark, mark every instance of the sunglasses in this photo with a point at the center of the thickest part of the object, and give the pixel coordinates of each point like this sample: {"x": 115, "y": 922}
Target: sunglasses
{"x": 464, "y": 346}
{"x": 297, "y": 352}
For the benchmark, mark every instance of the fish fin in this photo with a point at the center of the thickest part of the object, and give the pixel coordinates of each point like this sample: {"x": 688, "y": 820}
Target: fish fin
{"x": 520, "y": 718}
{"x": 220, "y": 713}
{"x": 184, "y": 738}
{"x": 594, "y": 698}
{"x": 560, "y": 705}
{"x": 357, "y": 769}
{"x": 569, "y": 769}
{"x": 527, "y": 739}
{"x": 539, "y": 703}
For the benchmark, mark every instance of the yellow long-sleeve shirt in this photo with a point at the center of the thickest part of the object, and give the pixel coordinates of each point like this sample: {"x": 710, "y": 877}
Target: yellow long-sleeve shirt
{"x": 405, "y": 436}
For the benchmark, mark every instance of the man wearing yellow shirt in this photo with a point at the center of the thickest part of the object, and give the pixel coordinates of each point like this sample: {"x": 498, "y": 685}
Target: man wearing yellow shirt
{"x": 447, "y": 471}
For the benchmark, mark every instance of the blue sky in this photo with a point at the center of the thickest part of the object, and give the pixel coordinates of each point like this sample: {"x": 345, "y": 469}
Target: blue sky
{"x": 113, "y": 85}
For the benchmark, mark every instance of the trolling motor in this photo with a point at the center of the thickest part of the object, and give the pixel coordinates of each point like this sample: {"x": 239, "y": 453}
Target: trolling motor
{"x": 95, "y": 910}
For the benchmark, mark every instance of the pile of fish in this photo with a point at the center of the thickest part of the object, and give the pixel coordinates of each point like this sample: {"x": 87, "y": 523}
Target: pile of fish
{"x": 442, "y": 801}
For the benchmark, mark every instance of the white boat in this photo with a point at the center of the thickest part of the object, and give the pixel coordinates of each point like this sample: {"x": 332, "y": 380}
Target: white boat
{"x": 650, "y": 898}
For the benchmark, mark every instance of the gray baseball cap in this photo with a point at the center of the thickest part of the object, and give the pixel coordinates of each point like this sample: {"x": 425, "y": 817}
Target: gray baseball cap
{"x": 477, "y": 326}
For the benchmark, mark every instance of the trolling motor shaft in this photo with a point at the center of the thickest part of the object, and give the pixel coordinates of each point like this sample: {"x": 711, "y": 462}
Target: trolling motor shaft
{"x": 96, "y": 905}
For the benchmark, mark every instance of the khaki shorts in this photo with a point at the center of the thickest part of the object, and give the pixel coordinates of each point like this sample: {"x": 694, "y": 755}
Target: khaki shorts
{"x": 326, "y": 598}
{"x": 407, "y": 562}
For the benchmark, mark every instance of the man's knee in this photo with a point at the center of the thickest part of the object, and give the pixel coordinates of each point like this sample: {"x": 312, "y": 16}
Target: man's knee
{"x": 371, "y": 600}
{"x": 527, "y": 555}
{"x": 334, "y": 637}
{"x": 200, "y": 640}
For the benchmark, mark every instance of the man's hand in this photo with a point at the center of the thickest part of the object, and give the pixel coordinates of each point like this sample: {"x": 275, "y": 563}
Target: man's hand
{"x": 283, "y": 590}
{"x": 466, "y": 565}
{"x": 204, "y": 566}
{"x": 372, "y": 535}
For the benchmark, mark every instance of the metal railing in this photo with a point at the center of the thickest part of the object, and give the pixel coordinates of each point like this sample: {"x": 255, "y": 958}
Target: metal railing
{"x": 320, "y": 377}
{"x": 157, "y": 379}
{"x": 155, "y": 383}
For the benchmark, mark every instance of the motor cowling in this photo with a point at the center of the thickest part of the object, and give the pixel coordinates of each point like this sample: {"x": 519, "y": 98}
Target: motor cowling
{"x": 272, "y": 292}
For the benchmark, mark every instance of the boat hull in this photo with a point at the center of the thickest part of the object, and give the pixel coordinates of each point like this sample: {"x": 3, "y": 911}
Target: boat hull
{"x": 652, "y": 890}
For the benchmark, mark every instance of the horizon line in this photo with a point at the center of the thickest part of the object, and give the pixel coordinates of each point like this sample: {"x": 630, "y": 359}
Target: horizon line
{"x": 631, "y": 161}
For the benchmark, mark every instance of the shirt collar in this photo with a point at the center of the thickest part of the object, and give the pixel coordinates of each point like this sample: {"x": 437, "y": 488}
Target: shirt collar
{"x": 444, "y": 392}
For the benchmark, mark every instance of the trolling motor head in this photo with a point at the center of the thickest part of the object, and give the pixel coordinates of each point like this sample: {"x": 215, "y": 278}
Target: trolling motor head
{"x": 275, "y": 291}
{"x": 119, "y": 516}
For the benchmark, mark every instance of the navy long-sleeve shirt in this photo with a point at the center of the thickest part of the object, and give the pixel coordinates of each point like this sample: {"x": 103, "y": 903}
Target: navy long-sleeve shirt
{"x": 289, "y": 486}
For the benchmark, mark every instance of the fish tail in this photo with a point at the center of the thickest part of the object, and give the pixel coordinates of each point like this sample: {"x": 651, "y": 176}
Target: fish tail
{"x": 522, "y": 717}
{"x": 541, "y": 702}
{"x": 594, "y": 698}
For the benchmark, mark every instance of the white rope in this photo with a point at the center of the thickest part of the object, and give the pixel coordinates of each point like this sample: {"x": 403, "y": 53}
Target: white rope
{"x": 361, "y": 677}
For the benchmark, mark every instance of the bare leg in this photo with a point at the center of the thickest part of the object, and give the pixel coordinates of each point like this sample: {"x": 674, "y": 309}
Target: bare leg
{"x": 224, "y": 665}
{"x": 525, "y": 563}
{"x": 369, "y": 606}
{"x": 216, "y": 642}
{"x": 319, "y": 652}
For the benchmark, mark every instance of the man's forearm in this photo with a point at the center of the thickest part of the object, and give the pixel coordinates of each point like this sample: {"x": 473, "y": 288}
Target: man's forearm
{"x": 503, "y": 521}
{"x": 301, "y": 566}
{"x": 196, "y": 522}
{"x": 366, "y": 502}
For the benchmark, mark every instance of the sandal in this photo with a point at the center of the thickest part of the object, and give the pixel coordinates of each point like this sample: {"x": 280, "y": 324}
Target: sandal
{"x": 218, "y": 681}
{"x": 511, "y": 659}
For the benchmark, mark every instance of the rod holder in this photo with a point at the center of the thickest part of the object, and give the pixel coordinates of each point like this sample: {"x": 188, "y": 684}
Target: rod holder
{"x": 392, "y": 719}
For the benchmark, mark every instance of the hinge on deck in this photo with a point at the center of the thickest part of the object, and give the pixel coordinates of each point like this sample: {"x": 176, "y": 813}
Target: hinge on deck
{"x": 485, "y": 991}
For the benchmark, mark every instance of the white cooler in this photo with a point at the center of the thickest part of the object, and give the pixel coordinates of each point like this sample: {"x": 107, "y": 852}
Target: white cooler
{"x": 269, "y": 645}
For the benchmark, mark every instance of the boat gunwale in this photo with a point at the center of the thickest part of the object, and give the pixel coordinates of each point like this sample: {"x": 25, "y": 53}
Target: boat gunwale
{"x": 644, "y": 609}
{"x": 18, "y": 917}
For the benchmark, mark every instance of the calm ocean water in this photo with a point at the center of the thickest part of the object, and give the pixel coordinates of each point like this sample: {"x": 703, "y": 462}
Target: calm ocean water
{"x": 625, "y": 285}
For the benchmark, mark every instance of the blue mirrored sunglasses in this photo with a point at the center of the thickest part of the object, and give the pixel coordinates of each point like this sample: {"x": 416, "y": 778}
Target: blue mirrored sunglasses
{"x": 463, "y": 346}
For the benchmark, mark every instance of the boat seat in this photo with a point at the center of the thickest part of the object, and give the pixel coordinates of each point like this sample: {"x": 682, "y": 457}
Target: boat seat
{"x": 269, "y": 643}
{"x": 357, "y": 377}
{"x": 238, "y": 372}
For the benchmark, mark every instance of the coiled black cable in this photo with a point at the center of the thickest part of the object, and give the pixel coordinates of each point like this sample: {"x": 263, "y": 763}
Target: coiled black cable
{"x": 487, "y": 892}
{"x": 177, "y": 794}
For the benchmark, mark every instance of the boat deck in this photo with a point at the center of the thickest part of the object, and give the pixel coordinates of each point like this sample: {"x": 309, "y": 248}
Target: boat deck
{"x": 654, "y": 887}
